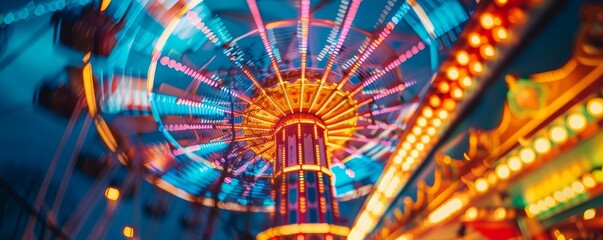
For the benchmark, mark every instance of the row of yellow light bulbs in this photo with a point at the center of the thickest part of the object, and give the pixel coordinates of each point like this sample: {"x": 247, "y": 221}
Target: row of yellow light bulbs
{"x": 439, "y": 108}
{"x": 562, "y": 195}
{"x": 472, "y": 62}
{"x": 464, "y": 81}
{"x": 411, "y": 150}
{"x": 527, "y": 155}
{"x": 541, "y": 145}
{"x": 450, "y": 207}
{"x": 432, "y": 116}
{"x": 499, "y": 213}
{"x": 391, "y": 181}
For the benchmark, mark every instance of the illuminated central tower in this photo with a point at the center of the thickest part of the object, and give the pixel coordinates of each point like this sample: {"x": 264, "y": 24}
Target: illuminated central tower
{"x": 305, "y": 204}
{"x": 302, "y": 175}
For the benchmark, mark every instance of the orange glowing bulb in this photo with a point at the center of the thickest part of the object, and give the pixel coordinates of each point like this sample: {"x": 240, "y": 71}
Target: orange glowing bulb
{"x": 558, "y": 134}
{"x": 576, "y": 121}
{"x": 414, "y": 153}
{"x": 589, "y": 214}
{"x": 437, "y": 122}
{"x": 514, "y": 163}
{"x": 422, "y": 121}
{"x": 416, "y": 130}
{"x": 398, "y": 159}
{"x": 431, "y": 131}
{"x": 475, "y": 40}
{"x": 442, "y": 114}
{"x": 501, "y": 3}
{"x": 427, "y": 112}
{"x": 449, "y": 105}
{"x": 406, "y": 166}
{"x": 457, "y": 93}
{"x": 112, "y": 193}
{"x": 402, "y": 153}
{"x": 527, "y": 155}
{"x": 462, "y": 57}
{"x": 594, "y": 107}
{"x": 542, "y": 145}
{"x": 500, "y": 213}
{"x": 471, "y": 213}
{"x": 434, "y": 101}
{"x": 533, "y": 209}
{"x": 487, "y": 21}
{"x": 466, "y": 82}
{"x": 500, "y": 34}
{"x": 477, "y": 67}
{"x": 444, "y": 87}
{"x": 411, "y": 138}
{"x": 481, "y": 185}
{"x": 452, "y": 73}
{"x": 503, "y": 171}
{"x": 487, "y": 51}
{"x": 578, "y": 187}
{"x": 589, "y": 182}
{"x": 128, "y": 232}
{"x": 516, "y": 15}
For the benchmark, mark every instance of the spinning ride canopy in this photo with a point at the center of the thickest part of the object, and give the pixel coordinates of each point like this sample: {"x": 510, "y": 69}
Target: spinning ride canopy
{"x": 223, "y": 74}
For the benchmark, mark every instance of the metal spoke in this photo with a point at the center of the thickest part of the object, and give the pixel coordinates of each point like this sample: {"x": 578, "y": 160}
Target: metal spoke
{"x": 347, "y": 23}
{"x": 372, "y": 47}
{"x": 211, "y": 35}
{"x": 255, "y": 12}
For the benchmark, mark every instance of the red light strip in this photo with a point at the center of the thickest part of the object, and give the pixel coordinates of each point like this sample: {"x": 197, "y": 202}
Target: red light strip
{"x": 255, "y": 12}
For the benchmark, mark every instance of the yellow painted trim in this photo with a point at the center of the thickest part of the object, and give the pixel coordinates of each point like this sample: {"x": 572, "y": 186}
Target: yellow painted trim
{"x": 89, "y": 88}
{"x": 307, "y": 167}
{"x": 311, "y": 228}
